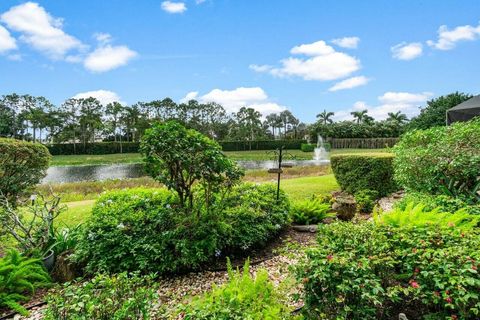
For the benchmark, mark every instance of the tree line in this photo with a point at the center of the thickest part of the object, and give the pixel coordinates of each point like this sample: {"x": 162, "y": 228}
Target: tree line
{"x": 86, "y": 120}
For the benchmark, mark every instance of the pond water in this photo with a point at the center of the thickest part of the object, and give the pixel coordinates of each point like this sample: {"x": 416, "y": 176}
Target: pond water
{"x": 135, "y": 170}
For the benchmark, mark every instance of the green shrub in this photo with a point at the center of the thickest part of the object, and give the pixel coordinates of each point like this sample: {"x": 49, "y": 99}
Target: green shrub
{"x": 120, "y": 297}
{"x": 146, "y": 230}
{"x": 93, "y": 148}
{"x": 242, "y": 297}
{"x": 356, "y": 172}
{"x": 22, "y": 165}
{"x": 19, "y": 277}
{"x": 307, "y": 147}
{"x": 260, "y": 145}
{"x": 442, "y": 202}
{"x": 365, "y": 200}
{"x": 368, "y": 271}
{"x": 417, "y": 216}
{"x": 441, "y": 160}
{"x": 310, "y": 211}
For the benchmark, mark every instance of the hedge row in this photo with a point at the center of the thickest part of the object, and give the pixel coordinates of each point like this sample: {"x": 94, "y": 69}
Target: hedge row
{"x": 373, "y": 171}
{"x": 362, "y": 143}
{"x": 132, "y": 147}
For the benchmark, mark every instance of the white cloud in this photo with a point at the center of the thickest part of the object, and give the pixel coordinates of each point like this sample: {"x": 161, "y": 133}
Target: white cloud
{"x": 190, "y": 96}
{"x": 347, "y": 42}
{"x": 405, "y": 102}
{"x": 108, "y": 57}
{"x": 407, "y": 51}
{"x": 350, "y": 83}
{"x": 103, "y": 38}
{"x": 233, "y": 100}
{"x": 200, "y": 1}
{"x": 7, "y": 42}
{"x": 323, "y": 63}
{"x": 40, "y": 30}
{"x": 173, "y": 7}
{"x": 447, "y": 39}
{"x": 104, "y": 96}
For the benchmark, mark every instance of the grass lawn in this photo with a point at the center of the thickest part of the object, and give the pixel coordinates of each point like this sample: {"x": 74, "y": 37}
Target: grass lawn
{"x": 236, "y": 155}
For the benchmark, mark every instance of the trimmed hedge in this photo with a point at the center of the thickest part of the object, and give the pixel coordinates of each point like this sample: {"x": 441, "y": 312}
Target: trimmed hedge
{"x": 364, "y": 172}
{"x": 133, "y": 147}
{"x": 362, "y": 143}
{"x": 22, "y": 165}
{"x": 307, "y": 147}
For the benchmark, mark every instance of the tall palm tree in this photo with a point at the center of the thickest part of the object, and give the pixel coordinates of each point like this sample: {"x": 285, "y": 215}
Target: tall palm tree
{"x": 398, "y": 117}
{"x": 360, "y": 116}
{"x": 325, "y": 117}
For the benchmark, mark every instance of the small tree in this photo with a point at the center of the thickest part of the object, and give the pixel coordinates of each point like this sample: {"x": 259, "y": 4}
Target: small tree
{"x": 179, "y": 157}
{"x": 22, "y": 165}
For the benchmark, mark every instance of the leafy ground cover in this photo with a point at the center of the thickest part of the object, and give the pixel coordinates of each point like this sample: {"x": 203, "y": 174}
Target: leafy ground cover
{"x": 86, "y": 159}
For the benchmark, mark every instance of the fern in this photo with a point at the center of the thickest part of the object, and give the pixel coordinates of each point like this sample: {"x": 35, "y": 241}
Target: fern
{"x": 19, "y": 277}
{"x": 416, "y": 216}
{"x": 310, "y": 211}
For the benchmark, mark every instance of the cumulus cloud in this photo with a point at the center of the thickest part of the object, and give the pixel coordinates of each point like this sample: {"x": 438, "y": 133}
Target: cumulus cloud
{"x": 350, "y": 83}
{"x": 407, "y": 51}
{"x": 104, "y": 96}
{"x": 347, "y": 42}
{"x": 447, "y": 39}
{"x": 405, "y": 102}
{"x": 173, "y": 7}
{"x": 106, "y": 58}
{"x": 40, "y": 30}
{"x": 233, "y": 100}
{"x": 322, "y": 63}
{"x": 7, "y": 42}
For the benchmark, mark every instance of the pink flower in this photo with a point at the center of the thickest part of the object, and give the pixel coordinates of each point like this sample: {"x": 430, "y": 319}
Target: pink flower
{"x": 414, "y": 284}
{"x": 448, "y": 299}
{"x": 329, "y": 257}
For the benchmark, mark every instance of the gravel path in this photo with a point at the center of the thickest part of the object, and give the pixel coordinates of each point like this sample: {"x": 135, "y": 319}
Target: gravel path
{"x": 181, "y": 289}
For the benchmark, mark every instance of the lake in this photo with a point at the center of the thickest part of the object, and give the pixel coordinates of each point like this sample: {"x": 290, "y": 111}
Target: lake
{"x": 135, "y": 170}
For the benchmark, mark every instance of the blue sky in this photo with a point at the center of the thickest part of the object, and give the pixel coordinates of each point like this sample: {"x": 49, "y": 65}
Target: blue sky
{"x": 304, "y": 55}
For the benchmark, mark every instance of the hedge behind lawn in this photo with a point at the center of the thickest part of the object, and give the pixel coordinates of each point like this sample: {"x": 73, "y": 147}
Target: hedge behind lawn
{"x": 356, "y": 172}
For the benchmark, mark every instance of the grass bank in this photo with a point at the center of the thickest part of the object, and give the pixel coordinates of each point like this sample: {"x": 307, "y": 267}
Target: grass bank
{"x": 85, "y": 159}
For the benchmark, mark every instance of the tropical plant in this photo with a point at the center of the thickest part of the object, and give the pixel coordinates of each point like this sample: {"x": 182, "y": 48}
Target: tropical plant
{"x": 361, "y": 116}
{"x": 310, "y": 211}
{"x": 325, "y": 117}
{"x": 398, "y": 117}
{"x": 242, "y": 297}
{"x": 19, "y": 277}
{"x": 119, "y": 297}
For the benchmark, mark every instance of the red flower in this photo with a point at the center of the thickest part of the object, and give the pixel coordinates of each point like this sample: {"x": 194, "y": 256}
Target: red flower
{"x": 417, "y": 270}
{"x": 329, "y": 257}
{"x": 414, "y": 284}
{"x": 474, "y": 267}
{"x": 448, "y": 299}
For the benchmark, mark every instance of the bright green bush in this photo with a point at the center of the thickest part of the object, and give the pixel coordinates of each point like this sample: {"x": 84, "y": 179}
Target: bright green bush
{"x": 355, "y": 172}
{"x": 22, "y": 165}
{"x": 365, "y": 200}
{"x": 443, "y": 202}
{"x": 311, "y": 211}
{"x": 441, "y": 160}
{"x": 119, "y": 297}
{"x": 146, "y": 230}
{"x": 368, "y": 271}
{"x": 307, "y": 147}
{"x": 417, "y": 216}
{"x": 20, "y": 277}
{"x": 242, "y": 297}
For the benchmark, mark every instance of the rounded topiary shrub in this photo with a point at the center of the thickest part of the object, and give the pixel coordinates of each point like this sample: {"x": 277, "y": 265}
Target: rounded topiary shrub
{"x": 364, "y": 172}
{"x": 441, "y": 160}
{"x": 22, "y": 165}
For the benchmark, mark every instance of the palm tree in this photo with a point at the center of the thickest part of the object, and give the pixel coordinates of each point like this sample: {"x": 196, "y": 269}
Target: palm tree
{"x": 325, "y": 117}
{"x": 360, "y": 116}
{"x": 397, "y": 117}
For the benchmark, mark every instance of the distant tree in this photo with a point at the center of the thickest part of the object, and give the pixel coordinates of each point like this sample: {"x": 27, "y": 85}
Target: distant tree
{"x": 398, "y": 117}
{"x": 287, "y": 118}
{"x": 114, "y": 111}
{"x": 361, "y": 116}
{"x": 249, "y": 123}
{"x": 434, "y": 114}
{"x": 90, "y": 118}
{"x": 325, "y": 117}
{"x": 273, "y": 121}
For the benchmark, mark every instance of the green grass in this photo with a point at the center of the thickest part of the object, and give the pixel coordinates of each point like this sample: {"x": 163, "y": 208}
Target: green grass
{"x": 236, "y": 155}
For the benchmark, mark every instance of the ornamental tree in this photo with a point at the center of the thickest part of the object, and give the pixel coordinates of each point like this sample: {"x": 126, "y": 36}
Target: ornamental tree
{"x": 180, "y": 158}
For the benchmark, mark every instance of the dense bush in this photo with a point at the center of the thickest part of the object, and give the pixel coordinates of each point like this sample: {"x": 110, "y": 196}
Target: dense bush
{"x": 93, "y": 148}
{"x": 350, "y": 129}
{"x": 311, "y": 211}
{"x": 120, "y": 297}
{"x": 307, "y": 147}
{"x": 260, "y": 145}
{"x": 20, "y": 277}
{"x": 364, "y": 271}
{"x": 362, "y": 143}
{"x": 364, "y": 172}
{"x": 242, "y": 297}
{"x": 146, "y": 230}
{"x": 365, "y": 200}
{"x": 444, "y": 203}
{"x": 22, "y": 165}
{"x": 441, "y": 160}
